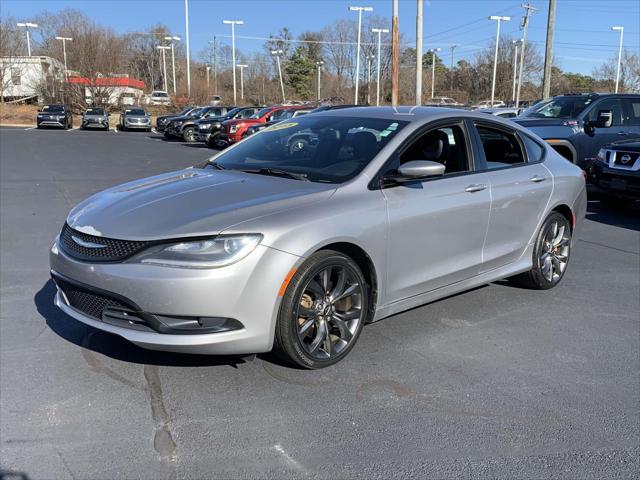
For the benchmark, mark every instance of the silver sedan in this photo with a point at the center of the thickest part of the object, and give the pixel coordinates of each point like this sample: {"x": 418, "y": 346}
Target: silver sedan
{"x": 296, "y": 237}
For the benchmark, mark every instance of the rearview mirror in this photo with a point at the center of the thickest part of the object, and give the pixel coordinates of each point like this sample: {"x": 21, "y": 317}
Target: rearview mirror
{"x": 417, "y": 169}
{"x": 605, "y": 119}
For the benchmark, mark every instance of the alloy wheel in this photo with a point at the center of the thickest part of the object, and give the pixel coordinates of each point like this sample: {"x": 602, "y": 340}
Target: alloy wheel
{"x": 554, "y": 252}
{"x": 329, "y": 311}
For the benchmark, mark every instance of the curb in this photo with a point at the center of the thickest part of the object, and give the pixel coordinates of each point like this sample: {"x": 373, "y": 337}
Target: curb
{"x": 17, "y": 125}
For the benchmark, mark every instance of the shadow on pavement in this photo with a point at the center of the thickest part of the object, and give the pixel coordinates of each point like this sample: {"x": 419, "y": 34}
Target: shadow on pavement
{"x": 624, "y": 215}
{"x": 114, "y": 346}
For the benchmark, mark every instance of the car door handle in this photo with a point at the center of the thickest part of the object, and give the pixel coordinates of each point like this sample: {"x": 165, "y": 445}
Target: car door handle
{"x": 622, "y": 133}
{"x": 476, "y": 187}
{"x": 537, "y": 179}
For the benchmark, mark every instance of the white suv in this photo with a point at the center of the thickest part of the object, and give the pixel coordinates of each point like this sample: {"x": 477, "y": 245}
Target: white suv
{"x": 158, "y": 97}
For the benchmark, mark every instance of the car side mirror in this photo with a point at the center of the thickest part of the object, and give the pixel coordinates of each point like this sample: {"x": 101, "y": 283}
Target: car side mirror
{"x": 605, "y": 119}
{"x": 416, "y": 169}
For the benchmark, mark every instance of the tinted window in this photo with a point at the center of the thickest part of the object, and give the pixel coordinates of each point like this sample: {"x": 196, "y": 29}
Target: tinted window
{"x": 444, "y": 145}
{"x": 560, "y": 107}
{"x": 612, "y": 104}
{"x": 506, "y": 114}
{"x": 95, "y": 111}
{"x": 535, "y": 151}
{"x": 501, "y": 148}
{"x": 320, "y": 148}
{"x": 261, "y": 113}
{"x": 53, "y": 108}
{"x": 134, "y": 111}
{"x": 631, "y": 111}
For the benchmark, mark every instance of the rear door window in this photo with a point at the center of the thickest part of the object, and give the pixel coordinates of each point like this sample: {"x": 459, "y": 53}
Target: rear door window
{"x": 501, "y": 147}
{"x": 631, "y": 111}
{"x": 612, "y": 104}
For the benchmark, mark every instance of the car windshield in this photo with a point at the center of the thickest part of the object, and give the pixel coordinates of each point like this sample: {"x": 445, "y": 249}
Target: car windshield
{"x": 195, "y": 113}
{"x": 559, "y": 107}
{"x": 261, "y": 113}
{"x": 95, "y": 111}
{"x": 53, "y": 108}
{"x": 186, "y": 111}
{"x": 134, "y": 111}
{"x": 323, "y": 149}
{"x": 159, "y": 94}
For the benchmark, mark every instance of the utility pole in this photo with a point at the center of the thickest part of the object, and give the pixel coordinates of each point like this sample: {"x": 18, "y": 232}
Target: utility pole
{"x": 452, "y": 47}
{"x": 369, "y": 58}
{"x": 621, "y": 30}
{"x": 277, "y": 53}
{"x": 495, "y": 57}
{"x": 164, "y": 66}
{"x": 173, "y": 38}
{"x": 208, "y": 70}
{"x": 433, "y": 53}
{"x": 319, "y": 64}
{"x": 233, "y": 24}
{"x": 242, "y": 67}
{"x": 419, "y": 54}
{"x": 528, "y": 9}
{"x": 548, "y": 53}
{"x": 64, "y": 55}
{"x": 515, "y": 43}
{"x": 394, "y": 54}
{"x": 379, "y": 31}
{"x": 215, "y": 68}
{"x": 359, "y": 10}
{"x": 186, "y": 22}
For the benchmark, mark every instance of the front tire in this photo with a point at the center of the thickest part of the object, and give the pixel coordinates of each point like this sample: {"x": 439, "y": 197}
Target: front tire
{"x": 322, "y": 312}
{"x": 550, "y": 254}
{"x": 188, "y": 135}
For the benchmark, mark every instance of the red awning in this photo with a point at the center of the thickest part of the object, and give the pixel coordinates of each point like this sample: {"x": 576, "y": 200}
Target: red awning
{"x": 108, "y": 82}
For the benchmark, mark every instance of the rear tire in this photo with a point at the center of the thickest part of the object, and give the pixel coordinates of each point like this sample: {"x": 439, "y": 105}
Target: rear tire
{"x": 323, "y": 311}
{"x": 551, "y": 254}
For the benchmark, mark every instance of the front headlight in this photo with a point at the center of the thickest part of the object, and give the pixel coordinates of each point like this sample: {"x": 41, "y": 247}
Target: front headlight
{"x": 233, "y": 129}
{"x": 602, "y": 155}
{"x": 205, "y": 126}
{"x": 209, "y": 253}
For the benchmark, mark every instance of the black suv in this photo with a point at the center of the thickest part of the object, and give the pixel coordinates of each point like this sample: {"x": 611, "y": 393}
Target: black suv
{"x": 209, "y": 129}
{"x": 163, "y": 120}
{"x": 183, "y": 127}
{"x": 56, "y": 115}
{"x": 577, "y": 126}
{"x": 616, "y": 172}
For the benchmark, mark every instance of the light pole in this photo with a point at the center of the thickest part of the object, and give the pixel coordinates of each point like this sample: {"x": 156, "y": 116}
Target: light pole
{"x": 359, "y": 10}
{"x": 233, "y": 24}
{"x": 379, "y": 31}
{"x": 516, "y": 43}
{"x": 433, "y": 52}
{"x": 27, "y": 26}
{"x": 64, "y": 51}
{"x": 164, "y": 66}
{"x": 186, "y": 22}
{"x": 319, "y": 64}
{"x": 419, "y": 66}
{"x": 208, "y": 70}
{"x": 452, "y": 47}
{"x": 173, "y": 38}
{"x": 495, "y": 55}
{"x": 621, "y": 30}
{"x": 369, "y": 58}
{"x": 242, "y": 67}
{"x": 277, "y": 53}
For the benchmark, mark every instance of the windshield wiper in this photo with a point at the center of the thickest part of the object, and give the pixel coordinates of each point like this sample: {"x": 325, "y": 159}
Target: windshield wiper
{"x": 216, "y": 165}
{"x": 274, "y": 172}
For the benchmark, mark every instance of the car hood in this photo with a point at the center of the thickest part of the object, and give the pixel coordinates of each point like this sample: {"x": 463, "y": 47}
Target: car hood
{"x": 191, "y": 202}
{"x": 245, "y": 121}
{"x": 630, "y": 145}
{"x": 209, "y": 120}
{"x": 183, "y": 118}
{"x": 542, "y": 122}
{"x": 94, "y": 116}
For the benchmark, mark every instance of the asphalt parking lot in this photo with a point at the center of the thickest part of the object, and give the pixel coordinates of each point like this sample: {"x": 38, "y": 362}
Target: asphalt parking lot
{"x": 496, "y": 382}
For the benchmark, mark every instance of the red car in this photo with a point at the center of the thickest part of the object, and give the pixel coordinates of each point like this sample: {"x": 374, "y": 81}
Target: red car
{"x": 235, "y": 130}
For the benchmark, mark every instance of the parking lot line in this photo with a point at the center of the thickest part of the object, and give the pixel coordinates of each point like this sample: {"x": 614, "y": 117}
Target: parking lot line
{"x": 30, "y": 128}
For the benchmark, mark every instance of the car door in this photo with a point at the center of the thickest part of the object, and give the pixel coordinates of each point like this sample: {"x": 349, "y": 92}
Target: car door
{"x": 436, "y": 227}
{"x": 520, "y": 188}
{"x": 599, "y": 136}
{"x": 631, "y": 117}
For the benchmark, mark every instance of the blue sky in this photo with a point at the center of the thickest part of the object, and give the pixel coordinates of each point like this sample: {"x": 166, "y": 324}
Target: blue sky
{"x": 583, "y": 36}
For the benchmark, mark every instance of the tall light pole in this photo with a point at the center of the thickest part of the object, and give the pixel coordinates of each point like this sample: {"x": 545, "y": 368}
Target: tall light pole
{"x": 433, "y": 52}
{"x": 359, "y": 10}
{"x": 208, "y": 84}
{"x": 621, "y": 30}
{"x": 319, "y": 64}
{"x": 186, "y": 22}
{"x": 233, "y": 24}
{"x": 515, "y": 43}
{"x": 419, "y": 54}
{"x": 369, "y": 58}
{"x": 164, "y": 65}
{"x": 277, "y": 53}
{"x": 64, "y": 51}
{"x": 498, "y": 19}
{"x": 27, "y": 26}
{"x": 395, "y": 49}
{"x": 173, "y": 38}
{"x": 242, "y": 67}
{"x": 528, "y": 9}
{"x": 379, "y": 31}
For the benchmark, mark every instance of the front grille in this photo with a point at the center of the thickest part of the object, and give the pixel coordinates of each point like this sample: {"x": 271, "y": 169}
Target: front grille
{"x": 113, "y": 251}
{"x": 88, "y": 302}
{"x": 629, "y": 157}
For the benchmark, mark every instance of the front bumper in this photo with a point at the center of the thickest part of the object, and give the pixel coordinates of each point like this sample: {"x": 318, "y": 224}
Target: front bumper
{"x": 202, "y": 135}
{"x": 95, "y": 124}
{"x": 49, "y": 122}
{"x": 172, "y": 131}
{"x": 615, "y": 181}
{"x": 230, "y": 138}
{"x": 140, "y": 126}
{"x": 246, "y": 292}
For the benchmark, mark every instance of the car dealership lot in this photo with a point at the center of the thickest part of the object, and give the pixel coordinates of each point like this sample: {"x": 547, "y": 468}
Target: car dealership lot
{"x": 496, "y": 382}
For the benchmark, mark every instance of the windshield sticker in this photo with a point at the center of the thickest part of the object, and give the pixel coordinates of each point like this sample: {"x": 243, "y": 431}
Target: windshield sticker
{"x": 384, "y": 133}
{"x": 281, "y": 126}
{"x": 393, "y": 126}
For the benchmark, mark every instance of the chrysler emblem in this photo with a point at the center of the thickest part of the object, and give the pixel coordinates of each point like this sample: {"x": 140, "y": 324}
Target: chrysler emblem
{"x": 625, "y": 158}
{"x": 86, "y": 244}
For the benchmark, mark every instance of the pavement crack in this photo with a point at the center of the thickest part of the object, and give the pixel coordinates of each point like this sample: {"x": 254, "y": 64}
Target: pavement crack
{"x": 163, "y": 442}
{"x": 66, "y": 465}
{"x": 96, "y": 365}
{"x": 609, "y": 247}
